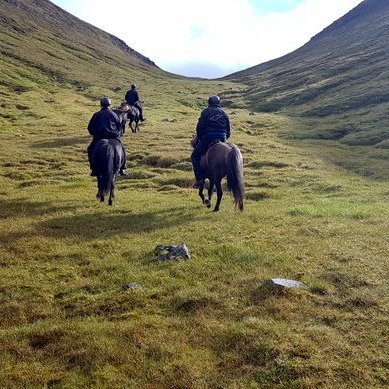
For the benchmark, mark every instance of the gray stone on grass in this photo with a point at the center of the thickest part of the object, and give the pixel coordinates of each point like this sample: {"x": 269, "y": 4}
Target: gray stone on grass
{"x": 282, "y": 283}
{"x": 169, "y": 252}
{"x": 131, "y": 286}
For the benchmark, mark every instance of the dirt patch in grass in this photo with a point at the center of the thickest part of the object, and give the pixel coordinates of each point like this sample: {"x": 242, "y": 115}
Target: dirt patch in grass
{"x": 185, "y": 166}
{"x": 181, "y": 182}
{"x": 192, "y": 305}
{"x": 158, "y": 161}
{"x": 261, "y": 164}
{"x": 257, "y": 196}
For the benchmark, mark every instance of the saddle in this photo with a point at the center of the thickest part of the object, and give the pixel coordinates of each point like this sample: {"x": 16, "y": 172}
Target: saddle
{"x": 134, "y": 110}
{"x": 213, "y": 143}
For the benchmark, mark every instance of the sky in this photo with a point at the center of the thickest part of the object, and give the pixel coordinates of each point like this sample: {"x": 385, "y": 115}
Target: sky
{"x": 210, "y": 38}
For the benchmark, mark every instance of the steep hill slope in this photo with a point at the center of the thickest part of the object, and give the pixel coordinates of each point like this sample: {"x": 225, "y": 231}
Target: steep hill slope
{"x": 37, "y": 33}
{"x": 44, "y": 51}
{"x": 341, "y": 76}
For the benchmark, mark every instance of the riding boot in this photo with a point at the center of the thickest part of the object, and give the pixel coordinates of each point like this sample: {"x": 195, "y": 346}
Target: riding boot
{"x": 198, "y": 172}
{"x": 141, "y": 118}
{"x": 123, "y": 168}
{"x": 199, "y": 150}
{"x": 93, "y": 172}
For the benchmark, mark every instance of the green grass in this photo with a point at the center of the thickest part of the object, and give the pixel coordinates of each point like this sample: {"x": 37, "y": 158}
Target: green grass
{"x": 207, "y": 322}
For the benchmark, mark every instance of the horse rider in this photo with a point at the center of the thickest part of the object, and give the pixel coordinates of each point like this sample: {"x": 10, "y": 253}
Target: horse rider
{"x": 213, "y": 125}
{"x": 132, "y": 98}
{"x": 105, "y": 124}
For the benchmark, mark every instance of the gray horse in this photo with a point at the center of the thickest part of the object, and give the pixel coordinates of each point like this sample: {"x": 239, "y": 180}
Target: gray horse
{"x": 132, "y": 115}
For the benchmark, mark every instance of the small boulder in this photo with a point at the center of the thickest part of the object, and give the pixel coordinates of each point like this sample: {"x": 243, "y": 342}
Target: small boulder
{"x": 169, "y": 252}
{"x": 22, "y": 107}
{"x": 131, "y": 286}
{"x": 282, "y": 284}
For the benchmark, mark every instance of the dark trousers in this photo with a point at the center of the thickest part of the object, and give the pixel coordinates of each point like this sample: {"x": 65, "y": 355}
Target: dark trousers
{"x": 140, "y": 107}
{"x": 200, "y": 149}
{"x": 90, "y": 153}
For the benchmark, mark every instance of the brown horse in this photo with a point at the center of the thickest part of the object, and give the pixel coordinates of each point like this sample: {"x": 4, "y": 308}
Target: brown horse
{"x": 221, "y": 160}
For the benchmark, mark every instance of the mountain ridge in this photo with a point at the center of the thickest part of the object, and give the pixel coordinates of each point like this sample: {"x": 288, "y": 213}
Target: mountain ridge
{"x": 341, "y": 71}
{"x": 56, "y": 19}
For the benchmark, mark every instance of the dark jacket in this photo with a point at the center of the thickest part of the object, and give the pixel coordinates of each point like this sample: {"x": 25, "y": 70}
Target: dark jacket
{"x": 105, "y": 124}
{"x": 213, "y": 121}
{"x": 132, "y": 97}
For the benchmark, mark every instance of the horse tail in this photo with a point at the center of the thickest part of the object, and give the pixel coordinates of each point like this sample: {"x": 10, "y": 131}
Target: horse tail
{"x": 235, "y": 176}
{"x": 106, "y": 170}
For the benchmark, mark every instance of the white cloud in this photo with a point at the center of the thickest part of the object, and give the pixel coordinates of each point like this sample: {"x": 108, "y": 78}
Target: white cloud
{"x": 227, "y": 35}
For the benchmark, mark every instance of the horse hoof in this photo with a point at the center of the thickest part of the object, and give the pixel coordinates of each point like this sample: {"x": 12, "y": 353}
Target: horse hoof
{"x": 216, "y": 210}
{"x": 207, "y": 203}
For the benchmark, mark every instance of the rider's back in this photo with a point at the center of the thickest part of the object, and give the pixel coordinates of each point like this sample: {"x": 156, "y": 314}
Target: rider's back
{"x": 132, "y": 97}
{"x": 213, "y": 120}
{"x": 104, "y": 124}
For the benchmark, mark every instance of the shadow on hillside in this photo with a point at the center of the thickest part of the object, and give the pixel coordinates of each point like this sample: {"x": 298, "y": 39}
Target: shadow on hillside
{"x": 61, "y": 142}
{"x": 11, "y": 209}
{"x": 28, "y": 208}
{"x": 106, "y": 225}
{"x": 13, "y": 238}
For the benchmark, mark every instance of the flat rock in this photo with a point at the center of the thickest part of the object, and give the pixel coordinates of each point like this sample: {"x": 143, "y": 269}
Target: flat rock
{"x": 131, "y": 286}
{"x": 282, "y": 283}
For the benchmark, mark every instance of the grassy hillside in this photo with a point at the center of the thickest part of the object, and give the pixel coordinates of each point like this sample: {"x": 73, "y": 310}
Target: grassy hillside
{"x": 336, "y": 86}
{"x": 207, "y": 322}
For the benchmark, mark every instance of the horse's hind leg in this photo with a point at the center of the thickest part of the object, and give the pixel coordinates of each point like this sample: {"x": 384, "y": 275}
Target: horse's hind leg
{"x": 207, "y": 202}
{"x": 219, "y": 191}
{"x": 201, "y": 194}
{"x": 99, "y": 196}
{"x": 111, "y": 195}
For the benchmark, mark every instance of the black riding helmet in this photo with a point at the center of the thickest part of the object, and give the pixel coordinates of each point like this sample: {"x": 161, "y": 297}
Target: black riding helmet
{"x": 214, "y": 101}
{"x": 105, "y": 102}
{"x": 133, "y": 86}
